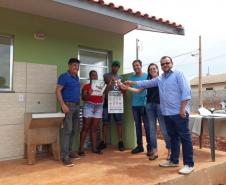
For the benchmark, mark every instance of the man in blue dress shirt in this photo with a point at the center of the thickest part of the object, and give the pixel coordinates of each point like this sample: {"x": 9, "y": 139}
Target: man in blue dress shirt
{"x": 175, "y": 93}
{"x": 68, "y": 95}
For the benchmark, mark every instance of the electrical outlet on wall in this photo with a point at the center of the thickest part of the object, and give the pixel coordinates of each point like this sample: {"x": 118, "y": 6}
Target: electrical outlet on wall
{"x": 21, "y": 98}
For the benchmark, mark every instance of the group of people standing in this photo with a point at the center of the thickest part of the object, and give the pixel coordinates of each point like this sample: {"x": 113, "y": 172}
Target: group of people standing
{"x": 146, "y": 110}
{"x": 94, "y": 108}
{"x": 162, "y": 100}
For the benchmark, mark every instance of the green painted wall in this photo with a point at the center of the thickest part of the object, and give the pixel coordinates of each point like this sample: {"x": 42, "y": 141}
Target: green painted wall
{"x": 129, "y": 130}
{"x": 62, "y": 39}
{"x": 62, "y": 42}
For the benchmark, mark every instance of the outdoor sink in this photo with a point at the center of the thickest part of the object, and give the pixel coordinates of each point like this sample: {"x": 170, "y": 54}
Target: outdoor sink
{"x": 42, "y": 128}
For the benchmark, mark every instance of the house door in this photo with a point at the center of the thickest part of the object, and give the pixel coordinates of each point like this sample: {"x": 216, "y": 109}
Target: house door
{"x": 93, "y": 60}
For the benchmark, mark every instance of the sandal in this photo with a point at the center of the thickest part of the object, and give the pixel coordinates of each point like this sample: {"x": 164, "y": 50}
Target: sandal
{"x": 153, "y": 157}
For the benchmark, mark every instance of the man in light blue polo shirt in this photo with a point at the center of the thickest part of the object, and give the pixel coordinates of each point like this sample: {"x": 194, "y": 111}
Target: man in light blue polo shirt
{"x": 68, "y": 95}
{"x": 175, "y": 94}
{"x": 138, "y": 109}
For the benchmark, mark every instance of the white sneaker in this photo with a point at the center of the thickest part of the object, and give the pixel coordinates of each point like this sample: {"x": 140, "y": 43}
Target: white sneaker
{"x": 186, "y": 169}
{"x": 168, "y": 164}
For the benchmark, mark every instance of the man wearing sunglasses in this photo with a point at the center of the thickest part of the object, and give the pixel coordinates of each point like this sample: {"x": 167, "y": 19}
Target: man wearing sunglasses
{"x": 175, "y": 93}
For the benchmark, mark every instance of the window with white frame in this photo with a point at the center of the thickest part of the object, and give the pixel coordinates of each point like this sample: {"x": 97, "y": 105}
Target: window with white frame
{"x": 92, "y": 60}
{"x": 6, "y": 62}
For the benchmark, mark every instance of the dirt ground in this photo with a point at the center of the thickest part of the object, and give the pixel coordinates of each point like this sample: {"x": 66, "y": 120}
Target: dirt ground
{"x": 111, "y": 168}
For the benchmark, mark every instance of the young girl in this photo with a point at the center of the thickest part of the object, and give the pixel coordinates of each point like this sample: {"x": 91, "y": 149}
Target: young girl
{"x": 92, "y": 113}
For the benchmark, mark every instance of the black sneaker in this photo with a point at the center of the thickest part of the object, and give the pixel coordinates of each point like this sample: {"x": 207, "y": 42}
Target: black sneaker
{"x": 74, "y": 156}
{"x": 121, "y": 146}
{"x": 102, "y": 145}
{"x": 137, "y": 150}
{"x": 67, "y": 162}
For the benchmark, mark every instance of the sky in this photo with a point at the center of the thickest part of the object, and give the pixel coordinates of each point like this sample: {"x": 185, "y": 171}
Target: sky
{"x": 198, "y": 17}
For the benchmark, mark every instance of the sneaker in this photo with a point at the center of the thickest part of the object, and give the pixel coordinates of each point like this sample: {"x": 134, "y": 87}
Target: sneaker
{"x": 137, "y": 150}
{"x": 74, "y": 156}
{"x": 121, "y": 146}
{"x": 67, "y": 162}
{"x": 186, "y": 170}
{"x": 168, "y": 164}
{"x": 102, "y": 145}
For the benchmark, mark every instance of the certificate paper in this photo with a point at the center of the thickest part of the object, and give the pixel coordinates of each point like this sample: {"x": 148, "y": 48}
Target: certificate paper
{"x": 98, "y": 87}
{"x": 115, "y": 102}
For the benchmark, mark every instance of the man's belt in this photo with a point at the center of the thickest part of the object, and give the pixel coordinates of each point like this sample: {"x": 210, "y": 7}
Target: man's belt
{"x": 72, "y": 103}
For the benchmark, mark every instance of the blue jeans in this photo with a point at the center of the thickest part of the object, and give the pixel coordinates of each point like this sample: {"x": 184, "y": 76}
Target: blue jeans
{"x": 178, "y": 130}
{"x": 139, "y": 115}
{"x": 107, "y": 117}
{"x": 154, "y": 114}
{"x": 71, "y": 123}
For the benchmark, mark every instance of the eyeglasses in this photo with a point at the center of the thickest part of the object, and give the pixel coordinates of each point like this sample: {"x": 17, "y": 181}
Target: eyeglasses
{"x": 166, "y": 63}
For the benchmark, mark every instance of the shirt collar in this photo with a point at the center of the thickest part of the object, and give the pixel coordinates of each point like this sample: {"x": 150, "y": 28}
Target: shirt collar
{"x": 169, "y": 73}
{"x": 69, "y": 74}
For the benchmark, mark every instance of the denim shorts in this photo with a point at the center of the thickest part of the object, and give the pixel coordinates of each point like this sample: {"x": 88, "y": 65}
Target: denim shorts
{"x": 107, "y": 117}
{"x": 92, "y": 110}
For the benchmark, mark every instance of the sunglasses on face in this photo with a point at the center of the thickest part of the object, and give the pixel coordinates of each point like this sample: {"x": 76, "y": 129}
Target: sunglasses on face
{"x": 166, "y": 63}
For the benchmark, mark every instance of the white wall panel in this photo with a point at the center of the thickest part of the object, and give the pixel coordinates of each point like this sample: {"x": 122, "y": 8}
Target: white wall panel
{"x": 41, "y": 78}
{"x": 12, "y": 108}
{"x": 34, "y": 86}
{"x": 41, "y": 102}
{"x": 12, "y": 141}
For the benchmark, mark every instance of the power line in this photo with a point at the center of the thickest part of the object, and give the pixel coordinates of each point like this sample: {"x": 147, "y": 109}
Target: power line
{"x": 183, "y": 54}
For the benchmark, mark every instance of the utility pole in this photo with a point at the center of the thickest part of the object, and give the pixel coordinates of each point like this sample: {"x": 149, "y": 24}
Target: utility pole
{"x": 200, "y": 72}
{"x": 137, "y": 49}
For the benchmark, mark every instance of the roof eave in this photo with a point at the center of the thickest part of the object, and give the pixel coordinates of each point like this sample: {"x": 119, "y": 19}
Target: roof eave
{"x": 136, "y": 22}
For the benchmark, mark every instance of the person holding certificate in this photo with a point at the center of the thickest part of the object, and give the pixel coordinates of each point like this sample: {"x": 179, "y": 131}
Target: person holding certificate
{"x": 113, "y": 92}
{"x": 92, "y": 111}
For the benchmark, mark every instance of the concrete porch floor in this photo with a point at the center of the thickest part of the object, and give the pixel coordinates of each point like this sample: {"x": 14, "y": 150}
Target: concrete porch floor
{"x": 113, "y": 168}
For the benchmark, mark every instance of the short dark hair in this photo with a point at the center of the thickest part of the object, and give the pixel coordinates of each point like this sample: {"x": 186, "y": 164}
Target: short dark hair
{"x": 115, "y": 63}
{"x": 137, "y": 60}
{"x": 164, "y": 57}
{"x": 73, "y": 61}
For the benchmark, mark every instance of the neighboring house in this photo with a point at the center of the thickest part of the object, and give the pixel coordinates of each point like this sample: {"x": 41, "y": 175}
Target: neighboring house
{"x": 37, "y": 37}
{"x": 210, "y": 82}
{"x": 213, "y": 91}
